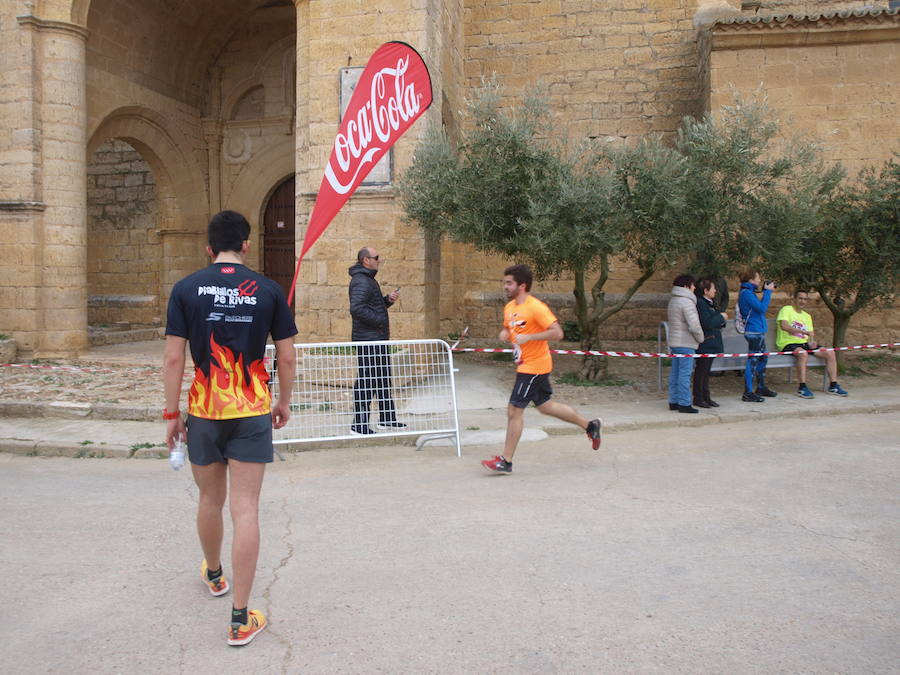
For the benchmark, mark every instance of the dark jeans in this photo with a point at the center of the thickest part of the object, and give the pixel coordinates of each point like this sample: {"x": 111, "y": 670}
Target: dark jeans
{"x": 701, "y": 380}
{"x": 756, "y": 365}
{"x": 373, "y": 378}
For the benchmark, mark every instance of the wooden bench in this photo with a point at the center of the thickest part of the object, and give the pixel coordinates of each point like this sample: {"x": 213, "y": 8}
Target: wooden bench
{"x": 736, "y": 343}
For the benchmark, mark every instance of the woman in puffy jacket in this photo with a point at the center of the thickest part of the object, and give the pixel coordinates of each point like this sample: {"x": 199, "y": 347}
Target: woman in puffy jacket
{"x": 685, "y": 334}
{"x": 712, "y": 321}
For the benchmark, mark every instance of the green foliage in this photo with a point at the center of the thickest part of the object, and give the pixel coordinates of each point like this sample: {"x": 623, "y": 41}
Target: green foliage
{"x": 725, "y": 195}
{"x": 852, "y": 254}
{"x": 571, "y": 331}
{"x": 752, "y": 195}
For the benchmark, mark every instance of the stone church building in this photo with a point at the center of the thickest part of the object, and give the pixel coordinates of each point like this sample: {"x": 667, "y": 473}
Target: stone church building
{"x": 127, "y": 123}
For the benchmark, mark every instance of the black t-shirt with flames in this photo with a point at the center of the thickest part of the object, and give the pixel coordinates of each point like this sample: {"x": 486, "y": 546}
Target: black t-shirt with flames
{"x": 227, "y": 311}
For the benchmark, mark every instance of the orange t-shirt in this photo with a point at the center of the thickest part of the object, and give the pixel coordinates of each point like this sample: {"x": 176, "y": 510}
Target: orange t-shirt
{"x": 532, "y": 316}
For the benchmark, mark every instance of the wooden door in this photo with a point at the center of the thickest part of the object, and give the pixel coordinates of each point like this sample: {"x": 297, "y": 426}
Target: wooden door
{"x": 278, "y": 238}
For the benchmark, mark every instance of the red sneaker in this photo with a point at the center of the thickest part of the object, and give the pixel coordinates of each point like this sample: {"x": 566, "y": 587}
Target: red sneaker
{"x": 594, "y": 432}
{"x": 497, "y": 463}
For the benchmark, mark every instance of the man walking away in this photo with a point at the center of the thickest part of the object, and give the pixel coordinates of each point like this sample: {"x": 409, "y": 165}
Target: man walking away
{"x": 528, "y": 324}
{"x": 226, "y": 312}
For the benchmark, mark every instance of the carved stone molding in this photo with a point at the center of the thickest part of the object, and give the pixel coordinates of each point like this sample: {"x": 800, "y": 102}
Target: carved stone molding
{"x": 20, "y": 205}
{"x": 53, "y": 26}
{"x": 846, "y": 27}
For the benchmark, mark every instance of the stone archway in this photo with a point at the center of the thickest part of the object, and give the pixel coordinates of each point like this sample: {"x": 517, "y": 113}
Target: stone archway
{"x": 253, "y": 186}
{"x": 123, "y": 245}
{"x": 180, "y": 210}
{"x": 279, "y": 238}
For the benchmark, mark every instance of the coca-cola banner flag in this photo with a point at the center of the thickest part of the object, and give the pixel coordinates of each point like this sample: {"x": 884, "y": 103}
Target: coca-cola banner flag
{"x": 392, "y": 92}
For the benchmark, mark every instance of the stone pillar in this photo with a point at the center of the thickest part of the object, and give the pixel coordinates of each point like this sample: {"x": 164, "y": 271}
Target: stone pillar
{"x": 59, "y": 86}
{"x": 213, "y": 130}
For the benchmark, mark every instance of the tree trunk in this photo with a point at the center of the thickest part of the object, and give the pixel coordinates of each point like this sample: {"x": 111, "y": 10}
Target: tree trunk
{"x": 593, "y": 367}
{"x": 841, "y": 322}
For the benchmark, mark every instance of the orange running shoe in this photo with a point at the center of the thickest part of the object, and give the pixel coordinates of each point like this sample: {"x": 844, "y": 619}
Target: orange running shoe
{"x": 241, "y": 633}
{"x": 218, "y": 586}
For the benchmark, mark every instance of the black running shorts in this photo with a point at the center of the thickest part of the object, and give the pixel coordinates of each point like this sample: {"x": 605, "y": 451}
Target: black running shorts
{"x": 530, "y": 388}
{"x": 795, "y": 346}
{"x": 246, "y": 439}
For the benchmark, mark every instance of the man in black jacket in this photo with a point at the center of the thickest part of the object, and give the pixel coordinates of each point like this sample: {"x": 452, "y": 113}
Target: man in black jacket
{"x": 368, "y": 307}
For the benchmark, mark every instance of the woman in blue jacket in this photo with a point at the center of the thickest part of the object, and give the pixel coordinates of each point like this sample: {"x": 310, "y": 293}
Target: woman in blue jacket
{"x": 753, "y": 310}
{"x": 711, "y": 321}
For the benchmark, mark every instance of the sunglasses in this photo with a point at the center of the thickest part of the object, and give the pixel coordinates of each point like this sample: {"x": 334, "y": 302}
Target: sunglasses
{"x": 372, "y": 257}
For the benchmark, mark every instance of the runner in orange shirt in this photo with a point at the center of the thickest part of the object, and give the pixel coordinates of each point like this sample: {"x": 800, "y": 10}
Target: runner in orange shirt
{"x": 528, "y": 324}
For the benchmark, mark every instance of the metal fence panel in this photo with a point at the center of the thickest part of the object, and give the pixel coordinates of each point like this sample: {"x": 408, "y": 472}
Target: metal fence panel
{"x": 423, "y": 388}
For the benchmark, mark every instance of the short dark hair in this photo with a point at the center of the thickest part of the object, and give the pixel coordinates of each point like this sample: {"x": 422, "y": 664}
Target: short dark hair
{"x": 684, "y": 280}
{"x": 363, "y": 253}
{"x": 747, "y": 274}
{"x": 227, "y": 231}
{"x": 798, "y": 291}
{"x": 704, "y": 284}
{"x": 521, "y": 274}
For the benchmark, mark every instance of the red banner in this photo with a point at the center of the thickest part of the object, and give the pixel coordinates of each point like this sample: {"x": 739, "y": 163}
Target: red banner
{"x": 392, "y": 92}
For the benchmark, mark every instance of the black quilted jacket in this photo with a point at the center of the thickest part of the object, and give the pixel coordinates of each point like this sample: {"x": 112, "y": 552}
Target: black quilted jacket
{"x": 368, "y": 306}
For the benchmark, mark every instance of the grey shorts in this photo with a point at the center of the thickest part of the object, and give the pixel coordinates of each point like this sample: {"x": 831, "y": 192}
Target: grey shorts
{"x": 246, "y": 439}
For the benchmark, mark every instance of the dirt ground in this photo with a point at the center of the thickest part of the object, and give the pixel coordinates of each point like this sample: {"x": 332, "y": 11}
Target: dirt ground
{"x": 630, "y": 379}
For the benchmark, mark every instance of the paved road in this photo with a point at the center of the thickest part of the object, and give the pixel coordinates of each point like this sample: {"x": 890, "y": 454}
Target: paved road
{"x": 738, "y": 548}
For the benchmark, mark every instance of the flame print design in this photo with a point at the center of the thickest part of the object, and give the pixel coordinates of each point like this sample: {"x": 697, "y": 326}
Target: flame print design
{"x": 229, "y": 390}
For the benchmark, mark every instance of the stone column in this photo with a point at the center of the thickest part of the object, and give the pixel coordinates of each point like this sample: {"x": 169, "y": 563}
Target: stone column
{"x": 61, "y": 240}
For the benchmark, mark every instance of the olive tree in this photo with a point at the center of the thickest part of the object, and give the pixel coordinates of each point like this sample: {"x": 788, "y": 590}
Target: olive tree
{"x": 852, "y": 254}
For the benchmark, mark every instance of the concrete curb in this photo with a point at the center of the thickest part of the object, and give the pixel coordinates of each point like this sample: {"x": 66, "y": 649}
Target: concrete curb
{"x": 32, "y": 448}
{"x": 74, "y": 410}
{"x": 483, "y": 436}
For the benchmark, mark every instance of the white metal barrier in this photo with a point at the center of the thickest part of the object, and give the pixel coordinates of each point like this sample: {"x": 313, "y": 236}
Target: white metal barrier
{"x": 336, "y": 379}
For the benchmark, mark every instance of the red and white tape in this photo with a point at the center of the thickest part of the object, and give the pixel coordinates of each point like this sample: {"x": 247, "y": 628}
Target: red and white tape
{"x": 655, "y": 355}
{"x": 576, "y": 352}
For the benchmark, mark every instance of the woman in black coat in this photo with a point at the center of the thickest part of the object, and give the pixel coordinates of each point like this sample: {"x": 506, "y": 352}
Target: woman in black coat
{"x": 712, "y": 321}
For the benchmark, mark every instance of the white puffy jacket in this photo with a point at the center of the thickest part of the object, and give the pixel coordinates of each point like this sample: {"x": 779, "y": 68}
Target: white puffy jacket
{"x": 684, "y": 322}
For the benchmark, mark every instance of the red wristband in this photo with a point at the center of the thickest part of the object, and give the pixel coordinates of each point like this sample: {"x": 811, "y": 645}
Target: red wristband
{"x": 171, "y": 415}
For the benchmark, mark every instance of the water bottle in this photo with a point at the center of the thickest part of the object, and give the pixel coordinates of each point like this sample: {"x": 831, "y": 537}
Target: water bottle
{"x": 176, "y": 455}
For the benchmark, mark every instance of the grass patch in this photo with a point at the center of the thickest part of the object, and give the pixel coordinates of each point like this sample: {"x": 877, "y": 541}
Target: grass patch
{"x": 500, "y": 356}
{"x": 86, "y": 443}
{"x": 879, "y": 359}
{"x": 473, "y": 428}
{"x": 89, "y": 454}
{"x": 576, "y": 380}
{"x": 141, "y": 446}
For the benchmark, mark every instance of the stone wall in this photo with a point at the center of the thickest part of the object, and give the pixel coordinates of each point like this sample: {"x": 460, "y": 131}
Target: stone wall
{"x": 223, "y": 101}
{"x": 613, "y": 71}
{"x": 123, "y": 258}
{"x": 836, "y": 79}
{"x": 372, "y": 217}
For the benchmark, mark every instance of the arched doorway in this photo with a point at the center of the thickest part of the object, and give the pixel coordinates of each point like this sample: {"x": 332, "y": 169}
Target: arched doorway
{"x": 278, "y": 235}
{"x": 123, "y": 244}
